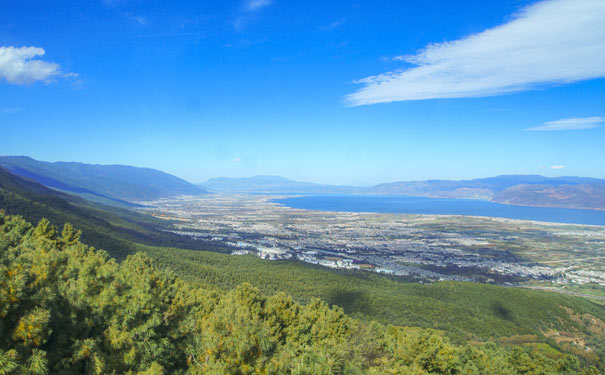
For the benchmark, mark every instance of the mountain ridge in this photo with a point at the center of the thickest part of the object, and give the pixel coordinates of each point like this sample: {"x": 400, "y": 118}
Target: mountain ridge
{"x": 121, "y": 185}
{"x": 586, "y": 191}
{"x": 581, "y": 196}
{"x": 115, "y": 183}
{"x": 108, "y": 227}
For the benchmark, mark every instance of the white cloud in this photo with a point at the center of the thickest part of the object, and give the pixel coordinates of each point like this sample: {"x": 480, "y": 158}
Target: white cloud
{"x": 557, "y": 167}
{"x": 19, "y": 66}
{"x": 573, "y": 123}
{"x": 550, "y": 42}
{"x": 236, "y": 160}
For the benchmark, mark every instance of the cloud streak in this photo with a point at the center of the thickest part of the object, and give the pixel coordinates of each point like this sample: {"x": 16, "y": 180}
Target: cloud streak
{"x": 550, "y": 42}
{"x": 10, "y": 110}
{"x": 248, "y": 12}
{"x": 19, "y": 66}
{"x": 331, "y": 26}
{"x": 254, "y": 5}
{"x": 573, "y": 123}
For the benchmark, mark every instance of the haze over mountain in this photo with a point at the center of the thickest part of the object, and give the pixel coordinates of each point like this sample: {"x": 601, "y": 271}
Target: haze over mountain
{"x": 106, "y": 227}
{"x": 273, "y": 184}
{"x": 105, "y": 183}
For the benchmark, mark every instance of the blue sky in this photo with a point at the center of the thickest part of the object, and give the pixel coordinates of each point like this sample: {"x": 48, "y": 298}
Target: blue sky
{"x": 324, "y": 91}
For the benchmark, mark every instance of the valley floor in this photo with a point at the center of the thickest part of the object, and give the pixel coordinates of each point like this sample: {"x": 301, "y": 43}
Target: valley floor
{"x": 423, "y": 248}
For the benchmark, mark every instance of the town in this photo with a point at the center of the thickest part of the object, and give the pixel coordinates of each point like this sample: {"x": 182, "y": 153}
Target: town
{"x": 420, "y": 247}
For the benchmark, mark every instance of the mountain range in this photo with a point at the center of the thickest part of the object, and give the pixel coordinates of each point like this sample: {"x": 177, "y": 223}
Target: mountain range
{"x": 526, "y": 190}
{"x": 122, "y": 185}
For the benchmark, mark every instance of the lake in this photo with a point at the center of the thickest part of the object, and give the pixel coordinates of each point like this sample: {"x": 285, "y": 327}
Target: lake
{"x": 440, "y": 206}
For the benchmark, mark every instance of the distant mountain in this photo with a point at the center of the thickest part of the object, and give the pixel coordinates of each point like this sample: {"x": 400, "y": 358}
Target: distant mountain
{"x": 586, "y": 196}
{"x": 525, "y": 190}
{"x": 110, "y": 228}
{"x": 105, "y": 183}
{"x": 528, "y": 190}
{"x": 273, "y": 184}
{"x": 480, "y": 188}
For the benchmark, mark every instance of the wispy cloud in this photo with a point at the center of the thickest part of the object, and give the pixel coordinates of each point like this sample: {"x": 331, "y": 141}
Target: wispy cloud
{"x": 254, "y": 5}
{"x": 332, "y": 25}
{"x": 141, "y": 20}
{"x": 19, "y": 66}
{"x": 248, "y": 12}
{"x": 550, "y": 42}
{"x": 10, "y": 110}
{"x": 117, "y": 4}
{"x": 236, "y": 160}
{"x": 573, "y": 123}
{"x": 557, "y": 167}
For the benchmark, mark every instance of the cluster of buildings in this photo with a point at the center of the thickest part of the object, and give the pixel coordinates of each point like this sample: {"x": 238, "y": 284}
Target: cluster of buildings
{"x": 421, "y": 246}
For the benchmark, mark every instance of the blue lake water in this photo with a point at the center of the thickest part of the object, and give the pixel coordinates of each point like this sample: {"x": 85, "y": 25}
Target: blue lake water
{"x": 439, "y": 206}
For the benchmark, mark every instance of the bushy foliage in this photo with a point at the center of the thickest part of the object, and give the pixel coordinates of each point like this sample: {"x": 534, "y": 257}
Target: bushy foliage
{"x": 66, "y": 308}
{"x": 464, "y": 311}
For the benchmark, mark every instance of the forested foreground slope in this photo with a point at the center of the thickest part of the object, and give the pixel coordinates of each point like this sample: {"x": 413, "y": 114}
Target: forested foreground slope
{"x": 66, "y": 308}
{"x": 464, "y": 311}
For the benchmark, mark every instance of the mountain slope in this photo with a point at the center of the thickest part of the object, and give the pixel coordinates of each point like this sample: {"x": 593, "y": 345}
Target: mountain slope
{"x": 585, "y": 196}
{"x": 482, "y": 188}
{"x": 464, "y": 311}
{"x": 114, "y": 182}
{"x": 106, "y": 227}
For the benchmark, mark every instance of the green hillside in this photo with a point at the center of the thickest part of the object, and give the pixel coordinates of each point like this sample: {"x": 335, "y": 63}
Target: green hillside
{"x": 464, "y": 311}
{"x": 68, "y": 309}
{"x": 110, "y": 228}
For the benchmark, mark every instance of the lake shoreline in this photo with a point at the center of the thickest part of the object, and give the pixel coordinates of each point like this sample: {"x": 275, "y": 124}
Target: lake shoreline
{"x": 413, "y": 205}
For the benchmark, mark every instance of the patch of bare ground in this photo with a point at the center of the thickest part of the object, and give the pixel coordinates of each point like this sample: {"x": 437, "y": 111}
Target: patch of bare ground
{"x": 562, "y": 337}
{"x": 595, "y": 325}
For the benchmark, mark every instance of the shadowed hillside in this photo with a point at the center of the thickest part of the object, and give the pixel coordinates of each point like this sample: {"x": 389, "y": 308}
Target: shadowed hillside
{"x": 112, "y": 182}
{"x": 110, "y": 228}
